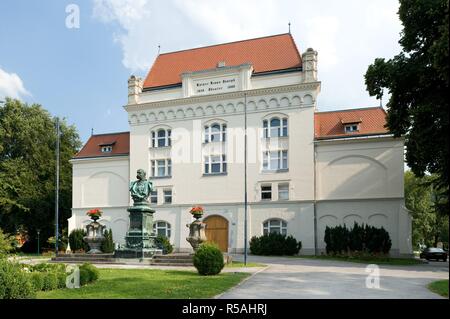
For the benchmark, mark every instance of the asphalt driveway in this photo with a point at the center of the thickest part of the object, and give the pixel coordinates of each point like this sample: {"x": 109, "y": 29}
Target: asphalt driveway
{"x": 300, "y": 278}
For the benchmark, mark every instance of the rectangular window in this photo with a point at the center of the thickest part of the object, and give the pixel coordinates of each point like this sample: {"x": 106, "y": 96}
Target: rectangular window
{"x": 154, "y": 197}
{"x": 285, "y": 127}
{"x": 215, "y": 164}
{"x": 275, "y": 160}
{"x": 161, "y": 168}
{"x": 351, "y": 128}
{"x": 266, "y": 192}
{"x": 167, "y": 196}
{"x": 283, "y": 191}
{"x": 153, "y": 139}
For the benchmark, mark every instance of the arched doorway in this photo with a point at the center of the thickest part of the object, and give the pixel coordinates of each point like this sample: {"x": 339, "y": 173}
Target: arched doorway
{"x": 217, "y": 231}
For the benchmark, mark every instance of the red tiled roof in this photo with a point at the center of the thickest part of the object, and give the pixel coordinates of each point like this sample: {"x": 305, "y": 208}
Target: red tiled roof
{"x": 119, "y": 141}
{"x": 277, "y": 52}
{"x": 331, "y": 124}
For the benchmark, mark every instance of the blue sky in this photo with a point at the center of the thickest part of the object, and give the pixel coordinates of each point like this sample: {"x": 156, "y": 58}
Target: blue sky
{"x": 81, "y": 73}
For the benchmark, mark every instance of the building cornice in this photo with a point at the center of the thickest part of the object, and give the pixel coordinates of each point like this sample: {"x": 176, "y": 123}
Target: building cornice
{"x": 118, "y": 157}
{"x": 357, "y": 139}
{"x": 224, "y": 96}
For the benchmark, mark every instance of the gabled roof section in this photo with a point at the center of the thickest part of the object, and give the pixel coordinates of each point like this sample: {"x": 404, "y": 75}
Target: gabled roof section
{"x": 331, "y": 124}
{"x": 120, "y": 143}
{"x": 272, "y": 53}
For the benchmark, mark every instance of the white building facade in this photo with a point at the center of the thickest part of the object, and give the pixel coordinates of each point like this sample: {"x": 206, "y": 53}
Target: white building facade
{"x": 305, "y": 169}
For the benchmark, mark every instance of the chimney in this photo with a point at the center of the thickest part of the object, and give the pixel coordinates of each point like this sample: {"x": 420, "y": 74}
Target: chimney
{"x": 309, "y": 65}
{"x": 134, "y": 89}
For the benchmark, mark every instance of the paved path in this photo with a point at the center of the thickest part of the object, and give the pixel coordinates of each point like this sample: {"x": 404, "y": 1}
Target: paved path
{"x": 300, "y": 278}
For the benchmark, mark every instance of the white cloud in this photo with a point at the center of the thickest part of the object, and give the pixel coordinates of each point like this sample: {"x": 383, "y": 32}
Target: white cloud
{"x": 11, "y": 85}
{"x": 348, "y": 34}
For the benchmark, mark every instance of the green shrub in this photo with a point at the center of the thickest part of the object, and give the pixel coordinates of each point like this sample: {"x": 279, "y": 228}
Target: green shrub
{"x": 108, "y": 243}
{"x": 162, "y": 242}
{"x": 76, "y": 240}
{"x": 208, "y": 259}
{"x": 50, "y": 281}
{"x": 274, "y": 244}
{"x": 37, "y": 280}
{"x": 14, "y": 282}
{"x": 88, "y": 273}
{"x": 360, "y": 239}
{"x": 6, "y": 243}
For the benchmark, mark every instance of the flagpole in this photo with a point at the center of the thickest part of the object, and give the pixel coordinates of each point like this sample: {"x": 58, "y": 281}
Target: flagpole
{"x": 245, "y": 179}
{"x": 57, "y": 188}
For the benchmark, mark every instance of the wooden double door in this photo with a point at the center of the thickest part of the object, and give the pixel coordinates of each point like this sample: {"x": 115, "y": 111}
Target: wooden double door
{"x": 217, "y": 231}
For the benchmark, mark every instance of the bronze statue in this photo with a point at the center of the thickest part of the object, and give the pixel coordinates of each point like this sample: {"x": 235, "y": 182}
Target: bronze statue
{"x": 140, "y": 189}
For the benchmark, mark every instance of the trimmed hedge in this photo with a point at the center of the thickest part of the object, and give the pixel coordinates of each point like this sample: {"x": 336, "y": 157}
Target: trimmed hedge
{"x": 76, "y": 240}
{"x": 88, "y": 273}
{"x": 274, "y": 244}
{"x": 208, "y": 259}
{"x": 14, "y": 282}
{"x": 162, "y": 242}
{"x": 365, "y": 238}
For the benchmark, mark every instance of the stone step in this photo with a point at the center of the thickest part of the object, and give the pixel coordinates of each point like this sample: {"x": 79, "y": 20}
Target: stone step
{"x": 165, "y": 257}
{"x": 93, "y": 256}
{"x": 173, "y": 264}
{"x": 173, "y": 261}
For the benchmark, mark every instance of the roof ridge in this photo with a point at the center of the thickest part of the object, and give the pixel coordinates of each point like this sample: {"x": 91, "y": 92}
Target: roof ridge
{"x": 113, "y": 133}
{"x": 225, "y": 43}
{"x": 354, "y": 109}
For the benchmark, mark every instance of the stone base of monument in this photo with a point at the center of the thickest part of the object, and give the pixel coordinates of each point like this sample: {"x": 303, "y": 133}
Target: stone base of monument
{"x": 175, "y": 259}
{"x": 82, "y": 258}
{"x": 137, "y": 252}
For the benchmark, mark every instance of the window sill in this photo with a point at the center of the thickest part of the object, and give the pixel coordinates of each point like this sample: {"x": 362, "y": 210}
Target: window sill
{"x": 161, "y": 177}
{"x": 159, "y": 148}
{"x": 269, "y": 171}
{"x": 215, "y": 174}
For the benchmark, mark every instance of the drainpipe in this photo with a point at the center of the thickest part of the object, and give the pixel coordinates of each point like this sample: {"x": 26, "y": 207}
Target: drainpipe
{"x": 315, "y": 202}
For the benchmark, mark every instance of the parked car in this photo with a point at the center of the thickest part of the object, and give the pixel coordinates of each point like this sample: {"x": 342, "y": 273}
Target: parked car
{"x": 433, "y": 253}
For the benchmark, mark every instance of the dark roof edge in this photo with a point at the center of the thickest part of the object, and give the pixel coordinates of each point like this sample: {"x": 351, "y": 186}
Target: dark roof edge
{"x": 336, "y": 137}
{"x": 101, "y": 156}
{"x": 349, "y": 110}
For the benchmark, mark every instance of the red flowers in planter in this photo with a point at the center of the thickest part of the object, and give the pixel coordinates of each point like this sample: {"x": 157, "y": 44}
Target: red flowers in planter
{"x": 197, "y": 210}
{"x": 95, "y": 212}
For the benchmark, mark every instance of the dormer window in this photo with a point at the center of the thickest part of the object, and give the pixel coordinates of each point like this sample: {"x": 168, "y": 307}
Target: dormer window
{"x": 106, "y": 147}
{"x": 351, "y": 128}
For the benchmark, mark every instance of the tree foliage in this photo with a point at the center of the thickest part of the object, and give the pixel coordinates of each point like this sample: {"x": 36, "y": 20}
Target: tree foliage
{"x": 422, "y": 200}
{"x": 27, "y": 168}
{"x": 417, "y": 81}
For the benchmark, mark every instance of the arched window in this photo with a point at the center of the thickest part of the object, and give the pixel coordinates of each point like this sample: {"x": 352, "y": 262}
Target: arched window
{"x": 161, "y": 138}
{"x": 162, "y": 228}
{"x": 277, "y": 226}
{"x": 275, "y": 127}
{"x": 215, "y": 133}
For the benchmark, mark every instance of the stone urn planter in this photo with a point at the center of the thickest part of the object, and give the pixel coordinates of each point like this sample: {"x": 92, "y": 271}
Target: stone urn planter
{"x": 94, "y": 230}
{"x": 196, "y": 228}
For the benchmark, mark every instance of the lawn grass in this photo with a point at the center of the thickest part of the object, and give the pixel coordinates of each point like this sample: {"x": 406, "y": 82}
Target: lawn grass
{"x": 149, "y": 283}
{"x": 440, "y": 287}
{"x": 240, "y": 264}
{"x": 368, "y": 260}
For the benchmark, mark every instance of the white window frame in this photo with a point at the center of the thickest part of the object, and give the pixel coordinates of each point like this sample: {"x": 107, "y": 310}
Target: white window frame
{"x": 156, "y": 165}
{"x": 351, "y": 128}
{"x": 221, "y": 134}
{"x": 166, "y": 139}
{"x": 283, "y": 188}
{"x": 266, "y": 192}
{"x": 280, "y": 156}
{"x": 107, "y": 149}
{"x": 165, "y": 195}
{"x": 282, "y": 128}
{"x": 167, "y": 228}
{"x": 282, "y": 226}
{"x": 208, "y": 164}
{"x": 154, "y": 195}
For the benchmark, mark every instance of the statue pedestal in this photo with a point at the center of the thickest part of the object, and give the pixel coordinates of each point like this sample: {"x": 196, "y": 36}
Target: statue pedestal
{"x": 139, "y": 240}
